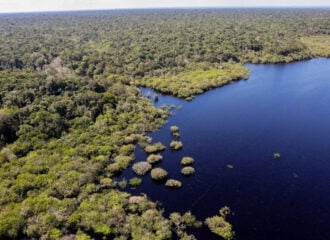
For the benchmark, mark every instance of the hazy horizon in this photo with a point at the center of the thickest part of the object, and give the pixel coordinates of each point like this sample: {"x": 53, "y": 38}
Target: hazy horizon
{"x": 22, "y": 6}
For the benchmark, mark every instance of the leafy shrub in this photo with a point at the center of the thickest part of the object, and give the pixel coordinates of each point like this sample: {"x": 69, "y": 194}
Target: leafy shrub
{"x": 127, "y": 150}
{"x": 176, "y": 134}
{"x": 276, "y": 155}
{"x": 187, "y": 171}
{"x": 230, "y": 166}
{"x": 219, "y": 225}
{"x": 187, "y": 161}
{"x": 141, "y": 168}
{"x": 181, "y": 222}
{"x": 157, "y": 147}
{"x": 107, "y": 182}
{"x": 135, "y": 181}
{"x": 176, "y": 145}
{"x": 120, "y": 163}
{"x": 154, "y": 158}
{"x": 158, "y": 174}
{"x": 174, "y": 129}
{"x": 122, "y": 183}
{"x": 173, "y": 183}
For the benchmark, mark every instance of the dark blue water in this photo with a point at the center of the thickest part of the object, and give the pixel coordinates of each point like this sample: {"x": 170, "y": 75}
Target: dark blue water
{"x": 280, "y": 108}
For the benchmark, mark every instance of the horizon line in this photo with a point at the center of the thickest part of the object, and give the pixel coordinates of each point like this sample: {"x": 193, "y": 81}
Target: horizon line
{"x": 172, "y": 8}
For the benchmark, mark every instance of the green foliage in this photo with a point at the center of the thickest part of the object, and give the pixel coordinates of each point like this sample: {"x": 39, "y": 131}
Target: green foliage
{"x": 141, "y": 168}
{"x": 196, "y": 79}
{"x": 176, "y": 145}
{"x": 67, "y": 136}
{"x": 172, "y": 183}
{"x": 158, "y": 174}
{"x": 70, "y": 111}
{"x": 154, "y": 148}
{"x": 219, "y": 225}
{"x": 174, "y": 129}
{"x": 318, "y": 44}
{"x": 187, "y": 161}
{"x": 187, "y": 171}
{"x": 8, "y": 126}
{"x": 127, "y": 150}
{"x": 135, "y": 181}
{"x": 181, "y": 222}
{"x": 230, "y": 166}
{"x": 154, "y": 158}
{"x": 276, "y": 155}
{"x": 11, "y": 222}
{"x": 122, "y": 183}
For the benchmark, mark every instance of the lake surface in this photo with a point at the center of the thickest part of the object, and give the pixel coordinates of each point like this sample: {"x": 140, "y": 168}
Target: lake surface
{"x": 280, "y": 108}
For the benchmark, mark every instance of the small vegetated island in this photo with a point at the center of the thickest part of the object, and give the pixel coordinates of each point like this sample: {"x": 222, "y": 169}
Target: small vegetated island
{"x": 71, "y": 111}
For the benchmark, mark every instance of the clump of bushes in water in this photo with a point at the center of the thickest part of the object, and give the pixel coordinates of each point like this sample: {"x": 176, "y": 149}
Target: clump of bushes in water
{"x": 181, "y": 222}
{"x": 187, "y": 171}
{"x": 176, "y": 145}
{"x": 144, "y": 141}
{"x": 218, "y": 224}
{"x": 135, "y": 181}
{"x": 158, "y": 174}
{"x": 230, "y": 166}
{"x": 187, "y": 161}
{"x": 120, "y": 163}
{"x": 122, "y": 183}
{"x": 173, "y": 183}
{"x": 141, "y": 168}
{"x": 276, "y": 155}
{"x": 154, "y": 158}
{"x": 175, "y": 131}
{"x": 153, "y": 148}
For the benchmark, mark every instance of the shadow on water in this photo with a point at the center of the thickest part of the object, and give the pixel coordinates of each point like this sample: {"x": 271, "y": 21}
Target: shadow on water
{"x": 281, "y": 108}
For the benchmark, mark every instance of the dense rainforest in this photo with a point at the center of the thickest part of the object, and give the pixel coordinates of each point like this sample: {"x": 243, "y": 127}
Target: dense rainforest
{"x": 71, "y": 111}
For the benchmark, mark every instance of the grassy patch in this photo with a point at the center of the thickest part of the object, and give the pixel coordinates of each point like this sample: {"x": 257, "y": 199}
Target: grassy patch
{"x": 319, "y": 45}
{"x": 196, "y": 79}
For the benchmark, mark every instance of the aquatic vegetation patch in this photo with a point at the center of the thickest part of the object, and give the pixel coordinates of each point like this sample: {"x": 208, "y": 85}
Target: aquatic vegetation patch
{"x": 120, "y": 163}
{"x": 218, "y": 224}
{"x": 187, "y": 161}
{"x": 176, "y": 145}
{"x": 158, "y": 174}
{"x": 154, "y": 148}
{"x": 230, "y": 166}
{"x": 175, "y": 131}
{"x": 172, "y": 183}
{"x": 181, "y": 222}
{"x": 141, "y": 168}
{"x": 276, "y": 155}
{"x": 154, "y": 158}
{"x": 187, "y": 171}
{"x": 135, "y": 181}
{"x": 122, "y": 183}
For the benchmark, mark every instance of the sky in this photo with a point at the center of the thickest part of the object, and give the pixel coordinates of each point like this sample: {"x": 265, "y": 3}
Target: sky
{"x": 65, "y": 5}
